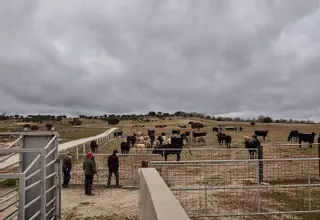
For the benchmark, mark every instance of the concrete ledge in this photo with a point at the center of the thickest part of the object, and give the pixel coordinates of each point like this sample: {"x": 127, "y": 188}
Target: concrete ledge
{"x": 157, "y": 202}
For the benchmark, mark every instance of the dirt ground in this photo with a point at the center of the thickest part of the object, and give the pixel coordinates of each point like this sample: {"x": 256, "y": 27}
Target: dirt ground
{"x": 111, "y": 204}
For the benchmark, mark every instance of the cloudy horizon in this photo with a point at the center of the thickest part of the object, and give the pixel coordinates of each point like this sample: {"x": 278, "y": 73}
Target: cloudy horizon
{"x": 238, "y": 58}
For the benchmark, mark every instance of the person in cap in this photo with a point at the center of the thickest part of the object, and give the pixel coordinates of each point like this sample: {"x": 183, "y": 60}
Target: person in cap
{"x": 66, "y": 168}
{"x": 113, "y": 165}
{"x": 89, "y": 168}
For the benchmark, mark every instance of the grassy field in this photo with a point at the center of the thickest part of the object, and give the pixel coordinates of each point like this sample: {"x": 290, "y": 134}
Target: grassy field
{"x": 67, "y": 131}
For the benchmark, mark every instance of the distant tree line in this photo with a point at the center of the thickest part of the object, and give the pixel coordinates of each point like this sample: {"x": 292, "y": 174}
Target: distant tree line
{"x": 115, "y": 119}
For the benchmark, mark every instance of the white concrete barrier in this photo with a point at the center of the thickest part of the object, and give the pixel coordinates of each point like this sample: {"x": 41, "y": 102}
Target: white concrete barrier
{"x": 156, "y": 200}
{"x": 101, "y": 138}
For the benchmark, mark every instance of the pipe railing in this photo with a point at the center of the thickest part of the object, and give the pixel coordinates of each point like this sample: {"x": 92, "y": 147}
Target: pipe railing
{"x": 10, "y": 165}
{"x": 11, "y": 215}
{"x": 15, "y": 142}
{"x": 32, "y": 164}
{"x": 7, "y": 157}
{"x": 50, "y": 142}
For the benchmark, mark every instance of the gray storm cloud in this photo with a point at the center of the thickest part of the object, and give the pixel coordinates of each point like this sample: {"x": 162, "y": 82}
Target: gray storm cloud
{"x": 238, "y": 57}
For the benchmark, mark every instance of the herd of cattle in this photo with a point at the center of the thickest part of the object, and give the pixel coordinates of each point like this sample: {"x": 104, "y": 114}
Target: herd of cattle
{"x": 173, "y": 145}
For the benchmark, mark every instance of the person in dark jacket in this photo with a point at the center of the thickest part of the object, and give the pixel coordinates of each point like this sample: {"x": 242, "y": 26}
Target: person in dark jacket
{"x": 89, "y": 168}
{"x": 94, "y": 146}
{"x": 66, "y": 168}
{"x": 113, "y": 165}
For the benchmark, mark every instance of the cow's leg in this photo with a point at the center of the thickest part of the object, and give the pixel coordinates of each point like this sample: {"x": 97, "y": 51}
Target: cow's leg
{"x": 178, "y": 157}
{"x": 300, "y": 143}
{"x": 165, "y": 157}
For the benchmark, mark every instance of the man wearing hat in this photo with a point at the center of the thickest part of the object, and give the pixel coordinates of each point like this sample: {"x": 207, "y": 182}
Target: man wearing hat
{"x": 113, "y": 165}
{"x": 89, "y": 168}
{"x": 66, "y": 167}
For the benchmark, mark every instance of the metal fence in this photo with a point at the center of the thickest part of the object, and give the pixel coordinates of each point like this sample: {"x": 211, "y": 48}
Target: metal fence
{"x": 128, "y": 169}
{"x": 230, "y": 188}
{"x": 31, "y": 186}
{"x": 270, "y": 151}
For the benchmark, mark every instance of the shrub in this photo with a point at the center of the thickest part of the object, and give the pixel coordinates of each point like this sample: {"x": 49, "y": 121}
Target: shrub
{"x": 8, "y": 183}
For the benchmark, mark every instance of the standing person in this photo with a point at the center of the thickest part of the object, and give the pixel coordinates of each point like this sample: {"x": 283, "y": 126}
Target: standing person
{"x": 94, "y": 146}
{"x": 113, "y": 165}
{"x": 89, "y": 170}
{"x": 66, "y": 167}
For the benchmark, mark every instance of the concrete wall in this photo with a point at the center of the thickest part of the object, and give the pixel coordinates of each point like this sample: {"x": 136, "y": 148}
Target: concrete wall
{"x": 156, "y": 200}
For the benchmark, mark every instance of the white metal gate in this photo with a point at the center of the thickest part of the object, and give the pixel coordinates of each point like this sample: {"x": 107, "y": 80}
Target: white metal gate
{"x": 35, "y": 167}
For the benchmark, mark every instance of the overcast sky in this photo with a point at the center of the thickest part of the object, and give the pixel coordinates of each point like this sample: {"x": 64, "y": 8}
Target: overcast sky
{"x": 236, "y": 58}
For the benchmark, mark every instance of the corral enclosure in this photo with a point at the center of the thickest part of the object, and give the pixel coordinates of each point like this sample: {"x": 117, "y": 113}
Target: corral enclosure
{"x": 214, "y": 181}
{"x": 229, "y": 188}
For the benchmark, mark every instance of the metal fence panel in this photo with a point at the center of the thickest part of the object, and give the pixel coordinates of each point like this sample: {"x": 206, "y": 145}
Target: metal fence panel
{"x": 230, "y": 188}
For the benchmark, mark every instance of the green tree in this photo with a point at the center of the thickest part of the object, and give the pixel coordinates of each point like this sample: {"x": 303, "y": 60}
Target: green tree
{"x": 152, "y": 114}
{"x": 267, "y": 120}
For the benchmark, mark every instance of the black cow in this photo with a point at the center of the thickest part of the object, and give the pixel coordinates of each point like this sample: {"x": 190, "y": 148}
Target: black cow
{"x": 160, "y": 139}
{"x": 174, "y": 148}
{"x": 215, "y": 129}
{"x": 120, "y": 133}
{"x": 221, "y": 137}
{"x": 125, "y": 147}
{"x": 307, "y": 138}
{"x": 227, "y": 140}
{"x": 198, "y": 134}
{"x": 240, "y": 128}
{"x": 175, "y": 132}
{"x": 117, "y": 134}
{"x": 151, "y": 132}
{"x": 261, "y": 133}
{"x": 293, "y": 135}
{"x": 252, "y": 145}
{"x": 133, "y": 140}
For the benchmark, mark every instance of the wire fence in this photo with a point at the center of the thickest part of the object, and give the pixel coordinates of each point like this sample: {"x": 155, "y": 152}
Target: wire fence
{"x": 230, "y": 188}
{"x": 270, "y": 151}
{"x": 128, "y": 169}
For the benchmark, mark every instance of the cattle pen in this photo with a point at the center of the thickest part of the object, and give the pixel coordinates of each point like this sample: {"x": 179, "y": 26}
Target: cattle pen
{"x": 224, "y": 183}
{"x": 230, "y": 188}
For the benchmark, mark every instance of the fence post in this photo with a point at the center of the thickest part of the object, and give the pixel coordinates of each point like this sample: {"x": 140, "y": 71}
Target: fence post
{"x": 77, "y": 152}
{"x": 84, "y": 149}
{"x": 260, "y": 164}
{"x": 43, "y": 185}
{"x": 319, "y": 157}
{"x": 22, "y": 197}
{"x": 205, "y": 193}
